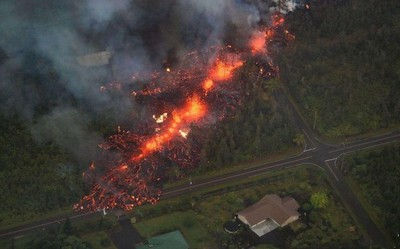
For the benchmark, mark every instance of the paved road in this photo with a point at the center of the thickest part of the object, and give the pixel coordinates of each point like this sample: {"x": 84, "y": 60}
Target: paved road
{"x": 323, "y": 156}
{"x": 326, "y": 157}
{"x": 316, "y": 152}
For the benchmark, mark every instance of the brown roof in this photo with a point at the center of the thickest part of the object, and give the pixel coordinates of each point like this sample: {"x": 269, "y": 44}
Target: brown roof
{"x": 271, "y": 207}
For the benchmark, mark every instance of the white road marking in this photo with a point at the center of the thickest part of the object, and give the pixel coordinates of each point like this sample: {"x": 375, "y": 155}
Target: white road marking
{"x": 233, "y": 176}
{"x": 373, "y": 141}
{"x": 310, "y": 149}
{"x": 327, "y": 164}
{"x": 44, "y": 224}
{"x": 308, "y": 136}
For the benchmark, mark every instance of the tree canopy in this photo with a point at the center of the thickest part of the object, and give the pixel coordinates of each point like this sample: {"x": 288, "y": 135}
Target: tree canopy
{"x": 343, "y": 67}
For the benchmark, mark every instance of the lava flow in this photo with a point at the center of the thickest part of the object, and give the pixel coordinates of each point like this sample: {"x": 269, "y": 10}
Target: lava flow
{"x": 193, "y": 110}
{"x": 222, "y": 71}
{"x": 180, "y": 99}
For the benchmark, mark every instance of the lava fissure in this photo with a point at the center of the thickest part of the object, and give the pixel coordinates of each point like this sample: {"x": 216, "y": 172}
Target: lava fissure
{"x": 181, "y": 99}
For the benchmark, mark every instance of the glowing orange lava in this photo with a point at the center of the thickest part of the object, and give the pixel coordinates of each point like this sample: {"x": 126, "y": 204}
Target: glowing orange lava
{"x": 208, "y": 84}
{"x": 223, "y": 70}
{"x": 277, "y": 20}
{"x": 257, "y": 42}
{"x": 134, "y": 176}
{"x": 193, "y": 110}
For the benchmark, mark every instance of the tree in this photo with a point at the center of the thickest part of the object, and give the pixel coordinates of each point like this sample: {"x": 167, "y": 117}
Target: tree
{"x": 67, "y": 227}
{"x": 319, "y": 200}
{"x": 299, "y": 139}
{"x": 273, "y": 85}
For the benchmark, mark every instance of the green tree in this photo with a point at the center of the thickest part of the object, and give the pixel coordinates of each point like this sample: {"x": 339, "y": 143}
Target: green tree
{"x": 67, "y": 227}
{"x": 319, "y": 200}
{"x": 299, "y": 139}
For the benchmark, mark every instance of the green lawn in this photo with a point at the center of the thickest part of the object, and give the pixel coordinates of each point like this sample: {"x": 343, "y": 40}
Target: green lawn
{"x": 200, "y": 216}
{"x": 99, "y": 240}
{"x": 189, "y": 223}
{"x": 19, "y": 242}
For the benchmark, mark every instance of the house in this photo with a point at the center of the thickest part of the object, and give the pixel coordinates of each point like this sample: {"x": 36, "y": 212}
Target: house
{"x": 172, "y": 240}
{"x": 269, "y": 213}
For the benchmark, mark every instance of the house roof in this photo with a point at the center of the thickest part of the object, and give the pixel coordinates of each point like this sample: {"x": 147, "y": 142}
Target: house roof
{"x": 172, "y": 240}
{"x": 271, "y": 207}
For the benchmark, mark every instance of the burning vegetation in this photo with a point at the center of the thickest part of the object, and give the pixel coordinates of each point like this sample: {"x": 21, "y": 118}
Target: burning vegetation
{"x": 197, "y": 95}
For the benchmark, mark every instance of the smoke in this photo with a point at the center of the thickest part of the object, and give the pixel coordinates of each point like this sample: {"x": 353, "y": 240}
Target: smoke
{"x": 100, "y": 12}
{"x": 40, "y": 41}
{"x": 68, "y": 128}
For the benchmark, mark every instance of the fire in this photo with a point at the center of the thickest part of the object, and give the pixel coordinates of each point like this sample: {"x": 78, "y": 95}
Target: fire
{"x": 269, "y": 34}
{"x": 193, "y": 110}
{"x": 146, "y": 92}
{"x": 208, "y": 84}
{"x": 123, "y": 167}
{"x": 223, "y": 70}
{"x": 277, "y": 20}
{"x": 161, "y": 118}
{"x": 184, "y": 133}
{"x": 180, "y": 99}
{"x": 257, "y": 42}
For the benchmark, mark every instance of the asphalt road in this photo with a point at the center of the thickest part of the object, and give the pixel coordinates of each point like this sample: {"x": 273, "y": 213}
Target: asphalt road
{"x": 323, "y": 156}
{"x": 316, "y": 152}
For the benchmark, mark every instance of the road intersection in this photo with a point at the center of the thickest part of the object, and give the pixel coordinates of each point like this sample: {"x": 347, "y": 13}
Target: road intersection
{"x": 316, "y": 152}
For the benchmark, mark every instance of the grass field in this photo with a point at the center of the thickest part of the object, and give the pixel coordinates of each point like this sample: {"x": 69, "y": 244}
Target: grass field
{"x": 99, "y": 240}
{"x": 189, "y": 223}
{"x": 200, "y": 216}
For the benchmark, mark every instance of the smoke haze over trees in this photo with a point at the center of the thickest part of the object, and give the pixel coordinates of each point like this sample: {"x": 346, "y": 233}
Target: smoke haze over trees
{"x": 41, "y": 79}
{"x": 52, "y": 112}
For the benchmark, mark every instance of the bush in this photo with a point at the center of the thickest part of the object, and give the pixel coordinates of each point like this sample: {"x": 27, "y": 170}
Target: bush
{"x": 319, "y": 200}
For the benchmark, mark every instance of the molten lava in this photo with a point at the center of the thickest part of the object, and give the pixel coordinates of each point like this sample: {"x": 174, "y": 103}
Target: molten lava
{"x": 193, "y": 110}
{"x": 257, "y": 42}
{"x": 182, "y": 98}
{"x": 208, "y": 84}
{"x": 222, "y": 70}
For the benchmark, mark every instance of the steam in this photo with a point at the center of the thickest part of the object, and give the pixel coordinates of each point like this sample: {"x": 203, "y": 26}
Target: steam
{"x": 38, "y": 39}
{"x": 101, "y": 12}
{"x": 68, "y": 128}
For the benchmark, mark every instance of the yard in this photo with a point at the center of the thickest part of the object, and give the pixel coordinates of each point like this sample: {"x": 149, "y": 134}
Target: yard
{"x": 200, "y": 217}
